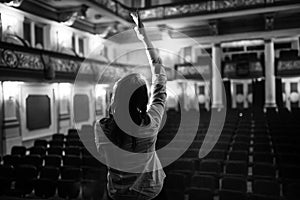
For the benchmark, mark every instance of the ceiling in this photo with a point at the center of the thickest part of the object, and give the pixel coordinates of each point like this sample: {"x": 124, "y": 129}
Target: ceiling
{"x": 99, "y": 19}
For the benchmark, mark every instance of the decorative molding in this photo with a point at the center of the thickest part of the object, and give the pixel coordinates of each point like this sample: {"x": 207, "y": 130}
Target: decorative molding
{"x": 15, "y": 58}
{"x": 63, "y": 117}
{"x": 11, "y": 123}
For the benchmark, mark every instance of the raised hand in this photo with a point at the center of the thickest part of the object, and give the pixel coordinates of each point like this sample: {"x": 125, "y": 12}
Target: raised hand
{"x": 139, "y": 29}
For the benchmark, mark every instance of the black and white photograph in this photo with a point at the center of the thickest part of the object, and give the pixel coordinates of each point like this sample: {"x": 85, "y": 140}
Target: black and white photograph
{"x": 149, "y": 99}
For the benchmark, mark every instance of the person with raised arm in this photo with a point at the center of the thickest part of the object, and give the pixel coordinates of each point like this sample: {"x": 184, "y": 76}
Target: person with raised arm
{"x": 136, "y": 132}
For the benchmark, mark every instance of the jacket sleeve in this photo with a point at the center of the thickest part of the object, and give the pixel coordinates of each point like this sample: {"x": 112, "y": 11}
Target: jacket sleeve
{"x": 157, "y": 99}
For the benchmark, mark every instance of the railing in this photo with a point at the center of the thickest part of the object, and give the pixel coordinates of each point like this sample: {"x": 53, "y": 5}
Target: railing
{"x": 19, "y": 60}
{"x": 193, "y": 7}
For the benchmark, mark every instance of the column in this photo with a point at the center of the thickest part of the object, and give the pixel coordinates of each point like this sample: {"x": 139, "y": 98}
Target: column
{"x": 270, "y": 93}
{"x": 217, "y": 92}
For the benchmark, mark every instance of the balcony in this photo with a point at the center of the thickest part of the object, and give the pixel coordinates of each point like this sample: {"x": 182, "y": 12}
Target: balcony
{"x": 30, "y": 64}
{"x": 190, "y": 8}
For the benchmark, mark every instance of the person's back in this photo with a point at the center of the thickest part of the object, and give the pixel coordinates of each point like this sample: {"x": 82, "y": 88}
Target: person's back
{"x": 127, "y": 137}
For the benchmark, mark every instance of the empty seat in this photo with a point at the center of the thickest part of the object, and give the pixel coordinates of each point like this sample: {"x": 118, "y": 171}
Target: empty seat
{"x": 264, "y": 170}
{"x": 53, "y": 160}
{"x": 6, "y": 178}
{"x": 175, "y": 186}
{"x": 35, "y": 160}
{"x": 225, "y": 194}
{"x": 69, "y": 184}
{"x": 221, "y": 146}
{"x": 288, "y": 159}
{"x": 205, "y": 181}
{"x": 55, "y": 151}
{"x": 91, "y": 173}
{"x": 289, "y": 172}
{"x": 217, "y": 155}
{"x": 13, "y": 160}
{"x": 25, "y": 175}
{"x": 210, "y": 167}
{"x": 234, "y": 184}
{"x": 242, "y": 138}
{"x": 200, "y": 193}
{"x": 266, "y": 148}
{"x": 191, "y": 153}
{"x": 40, "y": 143}
{"x": 92, "y": 189}
{"x": 56, "y": 143}
{"x": 236, "y": 168}
{"x": 74, "y": 143}
{"x": 260, "y": 157}
{"x": 266, "y": 187}
{"x": 41, "y": 151}
{"x": 58, "y": 137}
{"x": 18, "y": 150}
{"x": 238, "y": 156}
{"x": 45, "y": 186}
{"x": 240, "y": 146}
{"x": 91, "y": 161}
{"x": 71, "y": 160}
{"x": 72, "y": 151}
{"x": 292, "y": 191}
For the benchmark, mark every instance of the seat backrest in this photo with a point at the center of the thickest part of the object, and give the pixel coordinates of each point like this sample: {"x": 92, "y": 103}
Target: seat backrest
{"x": 26, "y": 172}
{"x": 71, "y": 173}
{"x": 210, "y": 166}
{"x": 205, "y": 181}
{"x": 203, "y": 194}
{"x": 264, "y": 169}
{"x": 49, "y": 172}
{"x": 72, "y": 160}
{"x": 234, "y": 183}
{"x": 53, "y": 160}
{"x": 40, "y": 143}
{"x": 237, "y": 168}
{"x": 266, "y": 187}
{"x": 18, "y": 150}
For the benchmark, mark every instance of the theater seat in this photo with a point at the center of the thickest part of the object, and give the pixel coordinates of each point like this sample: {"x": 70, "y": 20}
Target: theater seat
{"x": 266, "y": 188}
{"x": 41, "y": 151}
{"x": 45, "y": 186}
{"x": 13, "y": 160}
{"x": 205, "y": 181}
{"x": 6, "y": 177}
{"x": 58, "y": 137}
{"x": 292, "y": 190}
{"x": 175, "y": 186}
{"x": 25, "y": 175}
{"x": 262, "y": 170}
{"x": 238, "y": 184}
{"x": 203, "y": 194}
{"x": 69, "y": 184}
{"x": 225, "y": 194}
{"x": 236, "y": 168}
{"x": 40, "y": 143}
{"x": 71, "y": 160}
{"x": 53, "y": 160}
{"x": 18, "y": 150}
{"x": 210, "y": 167}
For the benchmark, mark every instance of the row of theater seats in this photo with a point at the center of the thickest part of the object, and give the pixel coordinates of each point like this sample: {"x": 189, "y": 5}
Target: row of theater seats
{"x": 61, "y": 168}
{"x": 255, "y": 157}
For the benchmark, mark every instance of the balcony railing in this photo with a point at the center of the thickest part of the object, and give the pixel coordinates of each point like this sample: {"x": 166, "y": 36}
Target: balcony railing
{"x": 19, "y": 62}
{"x": 193, "y": 7}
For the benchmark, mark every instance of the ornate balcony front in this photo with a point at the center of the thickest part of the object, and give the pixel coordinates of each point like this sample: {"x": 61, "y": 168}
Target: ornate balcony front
{"x": 189, "y": 8}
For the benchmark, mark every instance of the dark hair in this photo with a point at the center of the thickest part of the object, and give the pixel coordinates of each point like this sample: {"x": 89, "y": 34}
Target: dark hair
{"x": 130, "y": 92}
